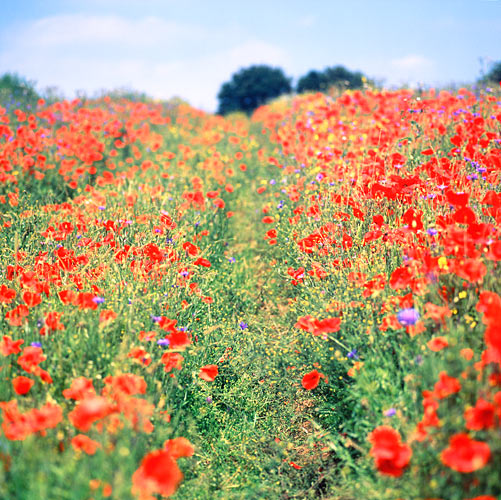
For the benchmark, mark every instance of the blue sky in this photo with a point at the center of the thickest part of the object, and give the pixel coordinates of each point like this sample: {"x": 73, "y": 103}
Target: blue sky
{"x": 188, "y": 49}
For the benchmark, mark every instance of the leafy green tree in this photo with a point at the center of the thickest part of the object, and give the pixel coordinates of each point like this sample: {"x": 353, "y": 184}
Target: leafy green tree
{"x": 252, "y": 87}
{"x": 16, "y": 91}
{"x": 494, "y": 74}
{"x": 335, "y": 76}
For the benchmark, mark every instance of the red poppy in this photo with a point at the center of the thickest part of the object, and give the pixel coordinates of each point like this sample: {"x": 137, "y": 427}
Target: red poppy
{"x": 390, "y": 454}
{"x": 437, "y": 344}
{"x": 9, "y": 346}
{"x": 208, "y": 372}
{"x": 81, "y": 387}
{"x": 17, "y": 316}
{"x": 85, "y": 443}
{"x": 481, "y": 416}
{"x": 107, "y": 316}
{"x": 446, "y": 386}
{"x": 88, "y": 411}
{"x": 22, "y": 384}
{"x": 30, "y": 358}
{"x": 311, "y": 380}
{"x": 32, "y": 299}
{"x": 190, "y": 249}
{"x": 158, "y": 472}
{"x": 171, "y": 361}
{"x": 318, "y": 326}
{"x": 465, "y": 454}
{"x": 202, "y": 262}
{"x": 6, "y": 294}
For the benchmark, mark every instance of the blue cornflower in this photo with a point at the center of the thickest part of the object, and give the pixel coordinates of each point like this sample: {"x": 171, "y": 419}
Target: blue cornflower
{"x": 408, "y": 316}
{"x": 352, "y": 354}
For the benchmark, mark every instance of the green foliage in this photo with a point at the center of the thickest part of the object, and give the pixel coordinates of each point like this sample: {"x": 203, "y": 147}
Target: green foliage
{"x": 335, "y": 76}
{"x": 17, "y": 92}
{"x": 252, "y": 87}
{"x": 494, "y": 74}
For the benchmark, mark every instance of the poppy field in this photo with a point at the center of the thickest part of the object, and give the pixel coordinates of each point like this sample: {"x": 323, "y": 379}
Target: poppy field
{"x": 304, "y": 303}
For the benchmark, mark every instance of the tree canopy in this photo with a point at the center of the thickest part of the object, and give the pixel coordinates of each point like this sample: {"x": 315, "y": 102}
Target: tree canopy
{"x": 252, "y": 87}
{"x": 16, "y": 91}
{"x": 494, "y": 74}
{"x": 320, "y": 81}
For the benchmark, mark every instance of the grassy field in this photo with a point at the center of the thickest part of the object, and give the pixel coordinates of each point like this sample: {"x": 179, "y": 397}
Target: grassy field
{"x": 300, "y": 304}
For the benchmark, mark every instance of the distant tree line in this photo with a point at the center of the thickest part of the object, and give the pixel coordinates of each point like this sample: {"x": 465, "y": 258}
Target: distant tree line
{"x": 17, "y": 92}
{"x": 251, "y": 87}
{"x": 493, "y": 76}
{"x": 247, "y": 89}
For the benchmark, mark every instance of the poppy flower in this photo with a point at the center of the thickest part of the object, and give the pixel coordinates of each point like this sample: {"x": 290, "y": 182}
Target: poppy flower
{"x": 446, "y": 386}
{"x": 311, "y": 380}
{"x": 9, "y": 346}
{"x": 22, "y": 385}
{"x": 171, "y": 361}
{"x": 465, "y": 454}
{"x": 481, "y": 416}
{"x": 85, "y": 443}
{"x": 81, "y": 387}
{"x": 437, "y": 344}
{"x": 202, "y": 262}
{"x": 158, "y": 472}
{"x": 208, "y": 372}
{"x": 88, "y": 411}
{"x": 483, "y": 497}
{"x": 390, "y": 454}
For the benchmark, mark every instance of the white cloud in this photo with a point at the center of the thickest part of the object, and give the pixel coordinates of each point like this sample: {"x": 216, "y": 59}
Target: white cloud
{"x": 70, "y": 29}
{"x": 412, "y": 62}
{"x": 160, "y": 57}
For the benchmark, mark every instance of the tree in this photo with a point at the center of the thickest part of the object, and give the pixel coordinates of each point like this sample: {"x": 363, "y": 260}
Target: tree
{"x": 16, "y": 91}
{"x": 320, "y": 81}
{"x": 252, "y": 87}
{"x": 494, "y": 74}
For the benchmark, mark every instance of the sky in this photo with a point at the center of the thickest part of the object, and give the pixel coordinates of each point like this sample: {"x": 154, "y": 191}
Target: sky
{"x": 189, "y": 48}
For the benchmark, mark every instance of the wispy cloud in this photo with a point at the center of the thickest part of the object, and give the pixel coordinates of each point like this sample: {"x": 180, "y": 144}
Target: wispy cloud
{"x": 160, "y": 57}
{"x": 91, "y": 30}
{"x": 412, "y": 62}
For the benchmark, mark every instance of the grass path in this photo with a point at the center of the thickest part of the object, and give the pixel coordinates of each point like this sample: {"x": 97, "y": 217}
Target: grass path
{"x": 255, "y": 431}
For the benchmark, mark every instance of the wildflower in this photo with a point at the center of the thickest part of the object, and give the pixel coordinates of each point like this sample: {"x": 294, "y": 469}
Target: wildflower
{"x": 208, "y": 372}
{"x": 88, "y": 411}
{"x": 85, "y": 443}
{"x": 311, "y": 380}
{"x": 465, "y": 454}
{"x": 481, "y": 416}
{"x": 9, "y": 346}
{"x": 390, "y": 454}
{"x": 446, "y": 386}
{"x": 437, "y": 344}
{"x": 158, "y": 472}
{"x": 408, "y": 317}
{"x": 22, "y": 385}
